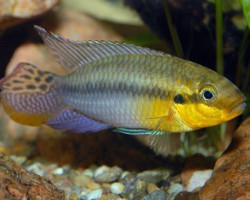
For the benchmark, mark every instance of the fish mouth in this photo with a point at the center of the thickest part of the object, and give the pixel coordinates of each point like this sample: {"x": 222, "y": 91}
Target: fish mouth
{"x": 239, "y": 107}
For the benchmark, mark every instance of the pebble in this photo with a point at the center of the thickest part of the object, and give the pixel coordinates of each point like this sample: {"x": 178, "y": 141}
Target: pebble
{"x": 93, "y": 185}
{"x": 18, "y": 159}
{"x": 141, "y": 185}
{"x": 94, "y": 194}
{"x": 75, "y": 190}
{"x": 117, "y": 188}
{"x": 105, "y": 185}
{"x": 174, "y": 190}
{"x": 58, "y": 171}
{"x": 198, "y": 179}
{"x": 139, "y": 191}
{"x": 73, "y": 197}
{"x": 88, "y": 172}
{"x": 125, "y": 174}
{"x": 153, "y": 176}
{"x": 36, "y": 168}
{"x": 177, "y": 187}
{"x": 83, "y": 196}
{"x": 156, "y": 195}
{"x": 106, "y": 174}
{"x": 152, "y": 187}
{"x": 82, "y": 180}
{"x": 112, "y": 197}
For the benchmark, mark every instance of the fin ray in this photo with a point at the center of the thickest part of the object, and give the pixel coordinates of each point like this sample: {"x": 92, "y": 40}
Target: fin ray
{"x": 72, "y": 54}
{"x": 29, "y": 95}
{"x": 74, "y": 122}
{"x": 164, "y": 143}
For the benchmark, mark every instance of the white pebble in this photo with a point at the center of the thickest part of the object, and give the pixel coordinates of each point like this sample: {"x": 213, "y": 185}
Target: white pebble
{"x": 101, "y": 170}
{"x": 36, "y": 168}
{"x": 94, "y": 194}
{"x": 58, "y": 171}
{"x": 124, "y": 174}
{"x": 83, "y": 195}
{"x": 117, "y": 188}
{"x": 88, "y": 172}
{"x": 175, "y": 188}
{"x": 198, "y": 179}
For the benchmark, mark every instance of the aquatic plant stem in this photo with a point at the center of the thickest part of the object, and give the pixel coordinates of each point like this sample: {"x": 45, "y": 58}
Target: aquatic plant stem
{"x": 246, "y": 82}
{"x": 242, "y": 50}
{"x": 172, "y": 30}
{"x": 219, "y": 45}
{"x": 219, "y": 37}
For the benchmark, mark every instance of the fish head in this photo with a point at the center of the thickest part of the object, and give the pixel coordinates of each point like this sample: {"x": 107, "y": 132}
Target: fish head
{"x": 209, "y": 101}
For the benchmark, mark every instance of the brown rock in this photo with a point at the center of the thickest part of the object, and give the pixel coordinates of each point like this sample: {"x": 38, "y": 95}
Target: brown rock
{"x": 16, "y": 11}
{"x": 231, "y": 177}
{"x": 18, "y": 183}
{"x": 187, "y": 196}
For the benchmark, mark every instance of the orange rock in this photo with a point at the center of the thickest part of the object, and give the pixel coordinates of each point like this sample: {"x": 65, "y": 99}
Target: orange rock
{"x": 16, "y": 11}
{"x": 231, "y": 177}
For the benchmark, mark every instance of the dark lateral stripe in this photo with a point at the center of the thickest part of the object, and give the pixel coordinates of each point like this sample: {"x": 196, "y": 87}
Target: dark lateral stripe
{"x": 105, "y": 87}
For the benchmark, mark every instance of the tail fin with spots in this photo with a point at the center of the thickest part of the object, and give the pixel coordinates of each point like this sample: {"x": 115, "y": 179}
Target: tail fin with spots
{"x": 29, "y": 95}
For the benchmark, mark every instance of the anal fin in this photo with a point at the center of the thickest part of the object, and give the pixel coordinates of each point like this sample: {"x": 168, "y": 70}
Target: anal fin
{"x": 74, "y": 122}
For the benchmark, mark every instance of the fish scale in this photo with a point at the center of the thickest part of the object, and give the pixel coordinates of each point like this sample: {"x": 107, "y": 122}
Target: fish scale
{"x": 108, "y": 91}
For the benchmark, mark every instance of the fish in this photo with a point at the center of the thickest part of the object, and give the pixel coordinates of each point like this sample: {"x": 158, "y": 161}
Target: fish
{"x": 110, "y": 85}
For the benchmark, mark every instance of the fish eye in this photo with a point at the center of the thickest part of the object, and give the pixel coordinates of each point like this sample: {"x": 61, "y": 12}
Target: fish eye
{"x": 208, "y": 94}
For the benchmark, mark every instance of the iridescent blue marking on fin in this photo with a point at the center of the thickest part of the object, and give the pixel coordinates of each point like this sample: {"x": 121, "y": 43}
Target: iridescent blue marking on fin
{"x": 161, "y": 142}
{"x": 137, "y": 131}
{"x": 74, "y": 122}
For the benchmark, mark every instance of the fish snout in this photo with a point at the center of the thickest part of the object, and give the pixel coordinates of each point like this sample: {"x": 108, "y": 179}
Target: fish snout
{"x": 239, "y": 105}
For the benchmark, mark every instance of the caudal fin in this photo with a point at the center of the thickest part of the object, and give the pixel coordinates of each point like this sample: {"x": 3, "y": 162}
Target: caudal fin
{"x": 29, "y": 95}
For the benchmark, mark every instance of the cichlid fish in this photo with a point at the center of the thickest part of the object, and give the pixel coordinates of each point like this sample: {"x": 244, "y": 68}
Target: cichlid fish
{"x": 138, "y": 90}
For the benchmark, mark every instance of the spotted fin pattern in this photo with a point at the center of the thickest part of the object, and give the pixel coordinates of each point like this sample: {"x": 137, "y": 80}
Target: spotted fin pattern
{"x": 73, "y": 55}
{"x": 74, "y": 122}
{"x": 29, "y": 95}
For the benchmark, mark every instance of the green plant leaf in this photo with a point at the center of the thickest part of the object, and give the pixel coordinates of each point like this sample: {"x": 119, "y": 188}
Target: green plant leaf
{"x": 246, "y": 10}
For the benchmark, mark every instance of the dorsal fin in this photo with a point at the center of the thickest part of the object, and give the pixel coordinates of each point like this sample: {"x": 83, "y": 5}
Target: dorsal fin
{"x": 74, "y": 54}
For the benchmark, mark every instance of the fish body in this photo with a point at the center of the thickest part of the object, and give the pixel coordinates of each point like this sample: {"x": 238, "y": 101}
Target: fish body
{"x": 119, "y": 85}
{"x": 136, "y": 91}
{"x": 132, "y": 91}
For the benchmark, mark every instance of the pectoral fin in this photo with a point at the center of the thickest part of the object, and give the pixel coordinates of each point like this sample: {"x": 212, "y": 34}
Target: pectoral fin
{"x": 164, "y": 143}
